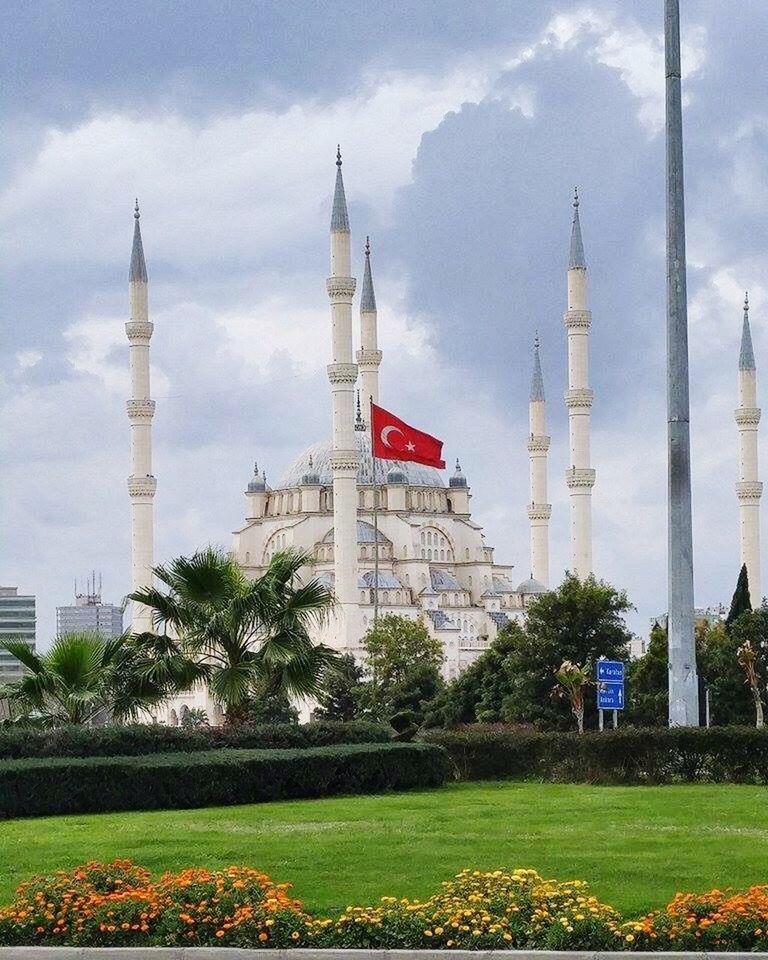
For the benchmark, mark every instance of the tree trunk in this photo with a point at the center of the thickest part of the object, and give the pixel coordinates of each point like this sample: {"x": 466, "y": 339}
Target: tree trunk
{"x": 758, "y": 711}
{"x": 579, "y": 713}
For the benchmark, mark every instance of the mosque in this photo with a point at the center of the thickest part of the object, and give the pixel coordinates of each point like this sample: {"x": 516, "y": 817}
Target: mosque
{"x": 415, "y": 550}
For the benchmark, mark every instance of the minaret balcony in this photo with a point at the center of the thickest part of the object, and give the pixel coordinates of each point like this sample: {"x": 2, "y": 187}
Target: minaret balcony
{"x": 539, "y": 511}
{"x": 580, "y": 477}
{"x": 139, "y": 331}
{"x": 578, "y": 319}
{"x": 369, "y": 358}
{"x": 140, "y": 409}
{"x": 747, "y": 416}
{"x": 579, "y": 397}
{"x": 343, "y": 462}
{"x": 142, "y": 487}
{"x": 341, "y": 289}
{"x": 749, "y": 491}
{"x": 538, "y": 444}
{"x": 342, "y": 372}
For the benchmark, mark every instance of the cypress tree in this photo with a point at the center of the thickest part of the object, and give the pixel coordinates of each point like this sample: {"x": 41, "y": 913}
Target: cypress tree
{"x": 741, "y": 602}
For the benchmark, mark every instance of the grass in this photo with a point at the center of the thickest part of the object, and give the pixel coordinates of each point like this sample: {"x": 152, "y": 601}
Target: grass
{"x": 635, "y": 845}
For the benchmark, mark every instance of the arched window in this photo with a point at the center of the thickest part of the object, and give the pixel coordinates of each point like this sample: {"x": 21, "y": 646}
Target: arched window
{"x": 173, "y": 719}
{"x": 247, "y": 556}
{"x": 386, "y": 596}
{"x": 423, "y": 553}
{"x": 442, "y": 554}
{"x": 456, "y": 599}
{"x": 466, "y": 553}
{"x": 361, "y": 498}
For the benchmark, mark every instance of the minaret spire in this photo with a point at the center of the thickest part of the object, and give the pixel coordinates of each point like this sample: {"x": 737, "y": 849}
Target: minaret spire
{"x": 580, "y": 478}
{"x": 369, "y": 355}
{"x": 539, "y": 511}
{"x": 342, "y": 374}
{"x": 749, "y": 489}
{"x": 576, "y": 258}
{"x": 141, "y": 410}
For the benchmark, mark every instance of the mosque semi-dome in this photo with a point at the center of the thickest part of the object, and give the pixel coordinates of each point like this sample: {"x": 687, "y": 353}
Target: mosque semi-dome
{"x": 415, "y": 474}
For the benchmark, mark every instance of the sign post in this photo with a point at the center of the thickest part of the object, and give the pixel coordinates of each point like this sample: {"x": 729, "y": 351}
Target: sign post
{"x": 610, "y": 689}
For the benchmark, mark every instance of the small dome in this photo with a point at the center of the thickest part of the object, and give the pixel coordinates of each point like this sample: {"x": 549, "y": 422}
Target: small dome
{"x": 311, "y": 478}
{"x": 531, "y": 586}
{"x": 458, "y": 479}
{"x": 258, "y": 483}
{"x": 366, "y": 533}
{"x": 396, "y": 476}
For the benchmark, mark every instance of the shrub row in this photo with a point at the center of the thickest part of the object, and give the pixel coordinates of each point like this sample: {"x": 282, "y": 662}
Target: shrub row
{"x": 124, "y": 741}
{"x": 216, "y": 777}
{"x": 629, "y": 755}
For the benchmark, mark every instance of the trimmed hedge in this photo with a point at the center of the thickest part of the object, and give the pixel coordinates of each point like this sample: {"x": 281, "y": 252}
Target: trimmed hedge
{"x": 629, "y": 755}
{"x": 59, "y": 785}
{"x": 136, "y": 739}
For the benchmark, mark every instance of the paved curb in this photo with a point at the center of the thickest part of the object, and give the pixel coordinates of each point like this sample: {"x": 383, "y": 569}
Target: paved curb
{"x": 236, "y": 953}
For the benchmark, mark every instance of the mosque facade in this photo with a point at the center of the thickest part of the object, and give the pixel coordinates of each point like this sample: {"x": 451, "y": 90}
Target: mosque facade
{"x": 389, "y": 537}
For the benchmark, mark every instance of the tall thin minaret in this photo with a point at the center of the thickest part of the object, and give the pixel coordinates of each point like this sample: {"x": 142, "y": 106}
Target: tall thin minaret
{"x": 539, "y": 511}
{"x": 749, "y": 489}
{"x": 369, "y": 355}
{"x": 141, "y": 410}
{"x": 342, "y": 374}
{"x": 580, "y": 478}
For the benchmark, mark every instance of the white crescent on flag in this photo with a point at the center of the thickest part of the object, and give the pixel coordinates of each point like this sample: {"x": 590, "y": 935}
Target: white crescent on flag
{"x": 385, "y": 435}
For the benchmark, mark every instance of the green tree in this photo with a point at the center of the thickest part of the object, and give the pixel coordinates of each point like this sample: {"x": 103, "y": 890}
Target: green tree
{"x": 342, "y": 697}
{"x": 245, "y": 637}
{"x": 648, "y": 683}
{"x": 85, "y": 679}
{"x": 580, "y": 621}
{"x": 478, "y": 694}
{"x": 730, "y": 696}
{"x": 403, "y": 663}
{"x": 741, "y": 601}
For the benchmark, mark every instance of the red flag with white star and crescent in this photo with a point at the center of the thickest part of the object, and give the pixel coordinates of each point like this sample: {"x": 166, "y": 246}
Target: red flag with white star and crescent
{"x": 394, "y": 439}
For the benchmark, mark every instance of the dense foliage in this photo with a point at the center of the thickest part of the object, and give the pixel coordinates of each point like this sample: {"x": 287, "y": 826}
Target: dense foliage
{"x": 513, "y": 682}
{"x": 138, "y": 739}
{"x": 244, "y": 637}
{"x": 83, "y": 679}
{"x": 402, "y": 664}
{"x": 342, "y": 696}
{"x": 627, "y": 755}
{"x": 119, "y": 905}
{"x": 220, "y": 777}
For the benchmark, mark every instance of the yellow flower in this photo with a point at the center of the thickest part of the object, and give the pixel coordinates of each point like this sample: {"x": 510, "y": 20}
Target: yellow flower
{"x": 629, "y": 937}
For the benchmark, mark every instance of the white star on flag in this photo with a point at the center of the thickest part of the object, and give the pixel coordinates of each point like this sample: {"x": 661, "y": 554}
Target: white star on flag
{"x": 410, "y": 447}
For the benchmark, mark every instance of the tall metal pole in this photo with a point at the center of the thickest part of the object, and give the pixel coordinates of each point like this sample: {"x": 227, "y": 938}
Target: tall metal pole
{"x": 683, "y": 682}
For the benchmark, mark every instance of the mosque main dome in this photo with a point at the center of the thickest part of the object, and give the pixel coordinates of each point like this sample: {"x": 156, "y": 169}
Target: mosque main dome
{"x": 415, "y": 474}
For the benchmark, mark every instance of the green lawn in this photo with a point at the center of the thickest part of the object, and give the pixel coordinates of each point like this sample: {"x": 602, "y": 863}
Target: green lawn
{"x": 635, "y": 845}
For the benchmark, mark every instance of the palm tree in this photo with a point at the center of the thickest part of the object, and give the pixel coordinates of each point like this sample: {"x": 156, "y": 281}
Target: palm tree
{"x": 245, "y": 636}
{"x": 84, "y": 679}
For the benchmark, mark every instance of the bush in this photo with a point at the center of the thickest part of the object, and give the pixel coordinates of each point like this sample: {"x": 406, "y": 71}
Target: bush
{"x": 631, "y": 755}
{"x": 137, "y": 739}
{"x": 165, "y": 781}
{"x": 119, "y": 905}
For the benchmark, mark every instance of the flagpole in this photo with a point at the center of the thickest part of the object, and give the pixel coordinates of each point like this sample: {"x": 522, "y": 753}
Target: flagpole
{"x": 375, "y": 524}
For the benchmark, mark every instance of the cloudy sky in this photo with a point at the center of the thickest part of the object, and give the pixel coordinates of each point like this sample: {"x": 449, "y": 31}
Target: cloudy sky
{"x": 464, "y": 126}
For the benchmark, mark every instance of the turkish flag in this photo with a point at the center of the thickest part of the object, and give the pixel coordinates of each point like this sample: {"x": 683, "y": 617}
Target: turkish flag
{"x": 393, "y": 439}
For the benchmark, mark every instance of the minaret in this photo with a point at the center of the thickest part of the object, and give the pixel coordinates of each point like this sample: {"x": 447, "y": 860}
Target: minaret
{"x": 539, "y": 511}
{"x": 369, "y": 355}
{"x": 578, "y": 399}
{"x": 342, "y": 374}
{"x": 141, "y": 483}
{"x": 749, "y": 489}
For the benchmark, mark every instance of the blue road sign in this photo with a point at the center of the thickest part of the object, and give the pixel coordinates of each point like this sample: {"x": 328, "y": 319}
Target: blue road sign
{"x": 610, "y": 696}
{"x": 610, "y": 671}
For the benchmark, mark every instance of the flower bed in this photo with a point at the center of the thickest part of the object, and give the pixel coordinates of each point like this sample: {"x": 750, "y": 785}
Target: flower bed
{"x": 120, "y": 905}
